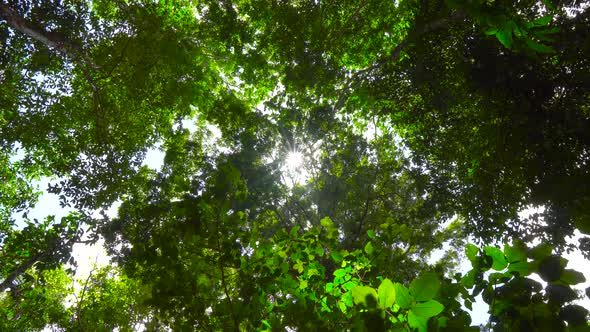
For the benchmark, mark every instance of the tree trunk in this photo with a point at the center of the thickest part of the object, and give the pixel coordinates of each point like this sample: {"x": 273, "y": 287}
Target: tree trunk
{"x": 22, "y": 25}
{"x": 49, "y": 39}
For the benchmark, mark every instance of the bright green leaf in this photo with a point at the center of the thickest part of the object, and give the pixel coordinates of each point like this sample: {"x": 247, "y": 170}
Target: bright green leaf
{"x": 369, "y": 248}
{"x": 340, "y": 273}
{"x": 499, "y": 261}
{"x": 299, "y": 266}
{"x": 471, "y": 251}
{"x": 522, "y": 268}
{"x": 402, "y": 296}
{"x": 428, "y": 309}
{"x": 327, "y": 222}
{"x": 417, "y": 322}
{"x": 329, "y": 287}
{"x": 516, "y": 252}
{"x": 342, "y": 306}
{"x": 367, "y": 296}
{"x": 303, "y": 284}
{"x": 386, "y": 293}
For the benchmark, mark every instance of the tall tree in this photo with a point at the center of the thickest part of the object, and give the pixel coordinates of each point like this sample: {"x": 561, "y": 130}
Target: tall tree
{"x": 421, "y": 124}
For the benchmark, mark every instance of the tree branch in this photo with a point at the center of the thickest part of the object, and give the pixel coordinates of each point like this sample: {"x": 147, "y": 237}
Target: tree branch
{"x": 19, "y": 23}
{"x": 51, "y": 249}
{"x": 81, "y": 300}
{"x": 49, "y": 39}
{"x": 8, "y": 282}
{"x": 55, "y": 41}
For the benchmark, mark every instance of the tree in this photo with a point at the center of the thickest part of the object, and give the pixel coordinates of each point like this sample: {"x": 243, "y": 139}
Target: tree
{"x": 410, "y": 115}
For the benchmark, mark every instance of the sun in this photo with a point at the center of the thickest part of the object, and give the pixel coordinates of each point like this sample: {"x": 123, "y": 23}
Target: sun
{"x": 294, "y": 170}
{"x": 294, "y": 160}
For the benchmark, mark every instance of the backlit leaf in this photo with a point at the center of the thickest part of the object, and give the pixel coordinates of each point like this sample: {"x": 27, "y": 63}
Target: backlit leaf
{"x": 425, "y": 287}
{"x": 364, "y": 295}
{"x": 499, "y": 261}
{"x": 386, "y": 293}
{"x": 402, "y": 296}
{"x": 428, "y": 309}
{"x": 369, "y": 248}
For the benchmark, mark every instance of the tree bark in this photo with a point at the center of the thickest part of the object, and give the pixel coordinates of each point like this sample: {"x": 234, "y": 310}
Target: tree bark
{"x": 8, "y": 282}
{"x": 57, "y": 42}
{"x": 49, "y": 39}
{"x": 22, "y": 25}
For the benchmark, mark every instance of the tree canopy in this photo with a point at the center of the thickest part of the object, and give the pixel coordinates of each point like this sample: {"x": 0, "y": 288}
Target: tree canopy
{"x": 422, "y": 130}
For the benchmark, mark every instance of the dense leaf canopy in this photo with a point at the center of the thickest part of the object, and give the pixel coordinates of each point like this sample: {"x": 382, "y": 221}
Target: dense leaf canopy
{"x": 411, "y": 129}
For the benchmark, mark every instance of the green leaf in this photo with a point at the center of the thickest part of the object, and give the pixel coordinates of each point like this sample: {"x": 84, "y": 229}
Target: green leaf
{"x": 505, "y": 35}
{"x": 402, "y": 296}
{"x": 327, "y": 222}
{"x": 471, "y": 251}
{"x": 340, "y": 273}
{"x": 342, "y": 306}
{"x": 572, "y": 277}
{"x": 546, "y": 31}
{"x": 541, "y": 251}
{"x": 386, "y": 293}
{"x": 299, "y": 266}
{"x": 371, "y": 234}
{"x": 498, "y": 277}
{"x": 538, "y": 47}
{"x": 516, "y": 252}
{"x": 425, "y": 287}
{"x": 329, "y": 287}
{"x": 469, "y": 279}
{"x": 541, "y": 21}
{"x": 518, "y": 32}
{"x": 349, "y": 285}
{"x": 295, "y": 230}
{"x": 336, "y": 256}
{"x": 551, "y": 268}
{"x": 428, "y": 309}
{"x": 522, "y": 268}
{"x": 284, "y": 267}
{"x": 364, "y": 295}
{"x": 417, "y": 322}
{"x": 499, "y": 261}
{"x": 468, "y": 304}
{"x": 491, "y": 31}
{"x": 303, "y": 284}
{"x": 369, "y": 248}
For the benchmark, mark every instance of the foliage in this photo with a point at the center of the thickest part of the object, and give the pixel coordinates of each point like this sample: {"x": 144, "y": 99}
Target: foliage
{"x": 423, "y": 125}
{"x": 39, "y": 304}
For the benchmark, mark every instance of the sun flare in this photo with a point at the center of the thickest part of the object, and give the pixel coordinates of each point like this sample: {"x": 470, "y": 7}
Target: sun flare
{"x": 294, "y": 159}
